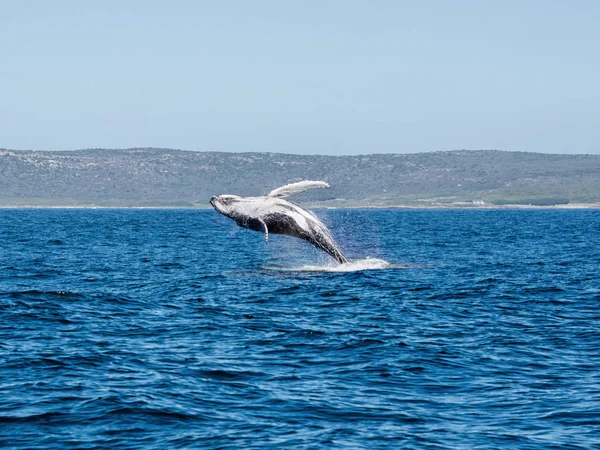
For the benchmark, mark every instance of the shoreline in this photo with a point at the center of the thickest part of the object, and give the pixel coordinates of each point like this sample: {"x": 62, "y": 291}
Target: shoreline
{"x": 412, "y": 207}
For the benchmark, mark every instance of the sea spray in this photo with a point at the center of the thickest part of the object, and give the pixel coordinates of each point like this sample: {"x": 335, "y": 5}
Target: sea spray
{"x": 350, "y": 266}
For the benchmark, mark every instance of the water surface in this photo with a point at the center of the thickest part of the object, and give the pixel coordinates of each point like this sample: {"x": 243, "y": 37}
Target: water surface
{"x": 140, "y": 329}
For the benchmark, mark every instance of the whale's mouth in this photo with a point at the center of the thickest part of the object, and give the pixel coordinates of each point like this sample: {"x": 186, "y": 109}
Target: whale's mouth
{"x": 225, "y": 202}
{"x": 215, "y": 202}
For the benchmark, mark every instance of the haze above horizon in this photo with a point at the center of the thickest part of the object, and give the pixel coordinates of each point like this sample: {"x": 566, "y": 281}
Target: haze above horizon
{"x": 336, "y": 77}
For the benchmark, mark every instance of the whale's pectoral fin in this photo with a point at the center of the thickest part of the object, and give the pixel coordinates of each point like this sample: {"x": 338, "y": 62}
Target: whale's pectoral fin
{"x": 266, "y": 229}
{"x": 297, "y": 188}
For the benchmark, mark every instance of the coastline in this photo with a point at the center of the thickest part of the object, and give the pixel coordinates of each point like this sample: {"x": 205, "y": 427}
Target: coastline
{"x": 324, "y": 206}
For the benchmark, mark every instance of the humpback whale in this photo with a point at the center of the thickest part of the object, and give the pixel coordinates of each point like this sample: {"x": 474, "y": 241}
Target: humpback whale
{"x": 273, "y": 214}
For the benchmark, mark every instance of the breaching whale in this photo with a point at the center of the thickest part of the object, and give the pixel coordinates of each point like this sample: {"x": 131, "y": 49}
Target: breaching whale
{"x": 272, "y": 214}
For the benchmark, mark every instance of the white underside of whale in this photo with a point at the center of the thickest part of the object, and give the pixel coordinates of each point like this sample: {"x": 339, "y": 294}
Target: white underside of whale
{"x": 259, "y": 207}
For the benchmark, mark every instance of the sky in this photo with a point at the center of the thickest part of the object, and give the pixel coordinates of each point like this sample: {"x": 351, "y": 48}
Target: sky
{"x": 308, "y": 77}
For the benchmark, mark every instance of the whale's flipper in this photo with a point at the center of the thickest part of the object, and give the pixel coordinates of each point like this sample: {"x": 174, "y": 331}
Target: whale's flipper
{"x": 266, "y": 231}
{"x": 297, "y": 188}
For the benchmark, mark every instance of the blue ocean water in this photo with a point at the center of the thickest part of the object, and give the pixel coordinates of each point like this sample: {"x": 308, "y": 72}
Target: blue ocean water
{"x": 156, "y": 329}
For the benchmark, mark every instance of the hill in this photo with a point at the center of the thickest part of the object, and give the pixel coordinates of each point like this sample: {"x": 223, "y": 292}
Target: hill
{"x": 164, "y": 177}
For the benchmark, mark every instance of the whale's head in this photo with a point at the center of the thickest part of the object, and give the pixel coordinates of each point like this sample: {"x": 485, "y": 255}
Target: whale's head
{"x": 226, "y": 204}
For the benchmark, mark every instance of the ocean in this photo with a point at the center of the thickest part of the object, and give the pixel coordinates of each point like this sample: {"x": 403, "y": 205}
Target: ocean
{"x": 175, "y": 329}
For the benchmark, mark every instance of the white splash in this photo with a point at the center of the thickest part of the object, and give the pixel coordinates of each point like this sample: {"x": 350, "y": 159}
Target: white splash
{"x": 350, "y": 266}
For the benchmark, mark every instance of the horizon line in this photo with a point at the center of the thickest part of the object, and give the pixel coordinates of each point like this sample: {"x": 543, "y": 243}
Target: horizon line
{"x": 297, "y": 154}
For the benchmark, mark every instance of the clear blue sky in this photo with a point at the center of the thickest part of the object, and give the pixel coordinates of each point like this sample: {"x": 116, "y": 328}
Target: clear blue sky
{"x": 319, "y": 77}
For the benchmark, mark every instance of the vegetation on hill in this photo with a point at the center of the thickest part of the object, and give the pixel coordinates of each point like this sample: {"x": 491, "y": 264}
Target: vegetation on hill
{"x": 164, "y": 177}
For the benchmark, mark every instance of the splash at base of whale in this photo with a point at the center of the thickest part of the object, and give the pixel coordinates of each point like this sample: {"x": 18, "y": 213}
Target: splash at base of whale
{"x": 272, "y": 214}
{"x": 350, "y": 266}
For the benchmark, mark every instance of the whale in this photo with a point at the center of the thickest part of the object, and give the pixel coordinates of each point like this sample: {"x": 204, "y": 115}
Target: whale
{"x": 273, "y": 214}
